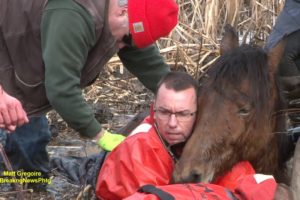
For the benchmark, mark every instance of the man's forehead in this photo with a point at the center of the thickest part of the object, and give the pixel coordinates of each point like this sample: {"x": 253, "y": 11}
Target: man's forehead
{"x": 163, "y": 89}
{"x": 165, "y": 93}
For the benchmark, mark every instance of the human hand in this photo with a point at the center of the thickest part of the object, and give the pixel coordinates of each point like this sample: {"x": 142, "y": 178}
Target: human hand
{"x": 108, "y": 141}
{"x": 12, "y": 113}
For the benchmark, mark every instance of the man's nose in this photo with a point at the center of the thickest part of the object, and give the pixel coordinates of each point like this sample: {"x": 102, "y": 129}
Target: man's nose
{"x": 172, "y": 120}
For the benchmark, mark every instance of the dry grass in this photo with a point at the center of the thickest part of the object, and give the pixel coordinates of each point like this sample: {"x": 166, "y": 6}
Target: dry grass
{"x": 195, "y": 40}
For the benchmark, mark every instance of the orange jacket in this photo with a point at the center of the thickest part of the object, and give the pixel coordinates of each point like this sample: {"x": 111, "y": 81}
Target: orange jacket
{"x": 140, "y": 159}
{"x": 240, "y": 183}
{"x": 187, "y": 192}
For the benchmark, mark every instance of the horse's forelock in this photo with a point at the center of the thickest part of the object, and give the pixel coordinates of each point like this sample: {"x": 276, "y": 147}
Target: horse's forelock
{"x": 246, "y": 63}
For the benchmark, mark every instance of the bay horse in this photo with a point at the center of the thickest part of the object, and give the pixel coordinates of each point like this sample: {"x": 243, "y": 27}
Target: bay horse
{"x": 236, "y": 117}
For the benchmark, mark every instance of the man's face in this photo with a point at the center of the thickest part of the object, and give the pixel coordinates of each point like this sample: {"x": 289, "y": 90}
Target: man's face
{"x": 175, "y": 128}
{"x": 118, "y": 23}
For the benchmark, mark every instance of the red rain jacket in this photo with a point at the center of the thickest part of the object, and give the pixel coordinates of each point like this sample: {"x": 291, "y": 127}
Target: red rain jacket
{"x": 140, "y": 159}
{"x": 239, "y": 183}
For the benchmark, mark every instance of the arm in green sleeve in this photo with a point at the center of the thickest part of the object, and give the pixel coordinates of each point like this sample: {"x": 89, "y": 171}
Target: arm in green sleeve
{"x": 146, "y": 64}
{"x": 67, "y": 37}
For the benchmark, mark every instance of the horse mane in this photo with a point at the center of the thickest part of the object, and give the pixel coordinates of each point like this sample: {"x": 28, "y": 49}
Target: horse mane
{"x": 246, "y": 62}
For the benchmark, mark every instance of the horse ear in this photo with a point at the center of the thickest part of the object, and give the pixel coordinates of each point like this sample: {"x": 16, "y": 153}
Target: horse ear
{"x": 230, "y": 39}
{"x": 275, "y": 55}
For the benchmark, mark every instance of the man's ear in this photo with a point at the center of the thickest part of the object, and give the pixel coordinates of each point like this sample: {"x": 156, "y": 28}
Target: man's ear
{"x": 122, "y": 8}
{"x": 117, "y": 8}
{"x": 152, "y": 108}
{"x": 123, "y": 11}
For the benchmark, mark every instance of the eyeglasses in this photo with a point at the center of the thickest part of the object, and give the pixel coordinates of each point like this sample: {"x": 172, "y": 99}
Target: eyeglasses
{"x": 180, "y": 116}
{"x": 127, "y": 40}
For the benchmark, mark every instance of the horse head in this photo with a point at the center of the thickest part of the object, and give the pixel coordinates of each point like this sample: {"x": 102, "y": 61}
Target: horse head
{"x": 235, "y": 117}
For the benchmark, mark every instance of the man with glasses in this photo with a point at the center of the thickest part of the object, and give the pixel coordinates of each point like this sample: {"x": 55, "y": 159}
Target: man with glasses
{"x": 149, "y": 154}
{"x": 51, "y": 49}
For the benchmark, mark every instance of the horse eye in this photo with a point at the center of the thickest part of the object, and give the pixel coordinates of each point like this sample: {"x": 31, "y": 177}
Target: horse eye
{"x": 245, "y": 111}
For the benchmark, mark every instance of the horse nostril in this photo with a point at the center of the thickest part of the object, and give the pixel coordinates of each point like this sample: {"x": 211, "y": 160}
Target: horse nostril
{"x": 191, "y": 177}
{"x": 195, "y": 177}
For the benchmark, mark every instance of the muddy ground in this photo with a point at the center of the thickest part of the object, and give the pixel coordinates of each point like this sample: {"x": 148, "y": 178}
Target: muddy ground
{"x": 115, "y": 98}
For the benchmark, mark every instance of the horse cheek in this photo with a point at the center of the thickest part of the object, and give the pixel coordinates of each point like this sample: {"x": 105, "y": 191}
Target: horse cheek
{"x": 192, "y": 163}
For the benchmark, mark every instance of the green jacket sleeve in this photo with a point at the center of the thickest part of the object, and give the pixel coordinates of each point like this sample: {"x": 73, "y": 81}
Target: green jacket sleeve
{"x": 67, "y": 36}
{"x": 146, "y": 64}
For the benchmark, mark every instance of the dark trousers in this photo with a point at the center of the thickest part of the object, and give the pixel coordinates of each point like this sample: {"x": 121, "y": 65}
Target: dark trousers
{"x": 26, "y": 147}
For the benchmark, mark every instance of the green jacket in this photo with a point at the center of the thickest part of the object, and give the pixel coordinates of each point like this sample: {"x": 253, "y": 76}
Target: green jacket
{"x": 75, "y": 43}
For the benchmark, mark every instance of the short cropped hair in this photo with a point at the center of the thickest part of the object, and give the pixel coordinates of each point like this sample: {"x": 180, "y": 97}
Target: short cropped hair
{"x": 177, "y": 81}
